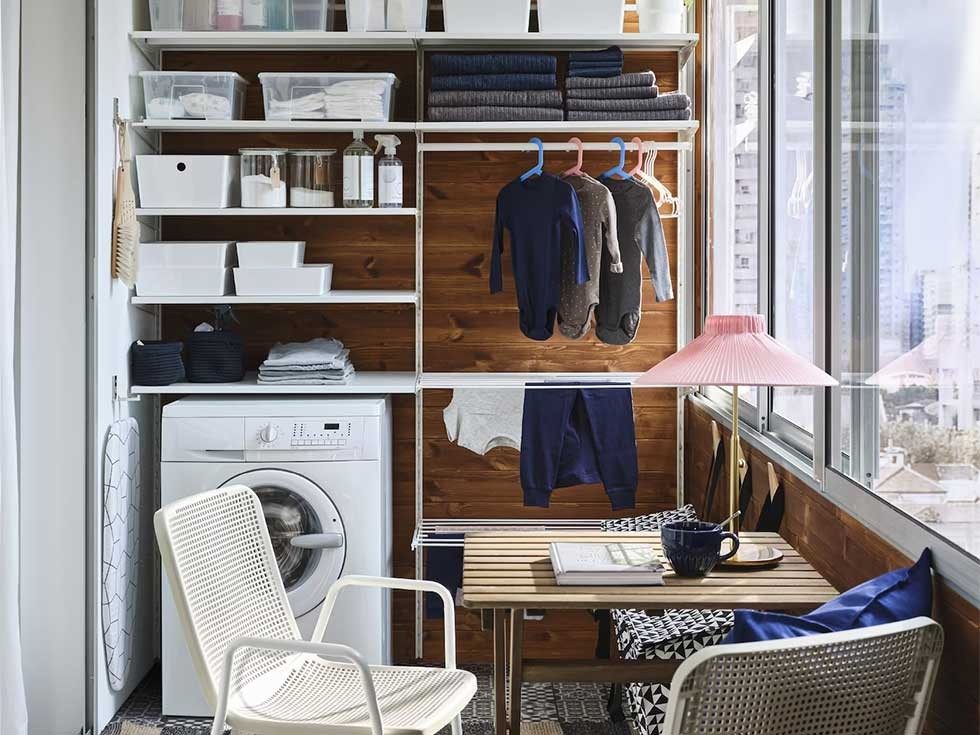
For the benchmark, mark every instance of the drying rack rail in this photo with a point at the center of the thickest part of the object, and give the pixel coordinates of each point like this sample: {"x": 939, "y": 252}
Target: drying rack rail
{"x": 449, "y": 532}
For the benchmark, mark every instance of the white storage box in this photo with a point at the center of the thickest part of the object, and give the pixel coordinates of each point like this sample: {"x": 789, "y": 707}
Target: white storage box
{"x": 329, "y": 96}
{"x": 183, "y": 281}
{"x": 386, "y": 15}
{"x": 186, "y": 254}
{"x": 183, "y": 182}
{"x": 210, "y": 95}
{"x": 307, "y": 280}
{"x": 482, "y": 16}
{"x": 271, "y": 254}
{"x": 580, "y": 16}
{"x": 181, "y": 15}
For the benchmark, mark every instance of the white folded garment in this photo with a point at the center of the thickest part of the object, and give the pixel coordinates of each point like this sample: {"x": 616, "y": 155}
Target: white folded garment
{"x": 357, "y": 88}
{"x": 338, "y": 364}
{"x": 319, "y": 351}
{"x": 319, "y": 377}
{"x": 355, "y": 108}
{"x": 202, "y": 104}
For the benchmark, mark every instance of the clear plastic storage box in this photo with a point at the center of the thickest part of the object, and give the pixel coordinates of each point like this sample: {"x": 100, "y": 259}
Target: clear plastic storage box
{"x": 368, "y": 97}
{"x": 209, "y": 95}
{"x": 386, "y": 15}
{"x": 182, "y": 15}
{"x": 580, "y": 16}
{"x": 188, "y": 182}
{"x": 482, "y": 16}
{"x": 242, "y": 15}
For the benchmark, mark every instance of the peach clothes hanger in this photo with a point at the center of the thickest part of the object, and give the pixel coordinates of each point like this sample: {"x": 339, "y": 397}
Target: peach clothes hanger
{"x": 576, "y": 170}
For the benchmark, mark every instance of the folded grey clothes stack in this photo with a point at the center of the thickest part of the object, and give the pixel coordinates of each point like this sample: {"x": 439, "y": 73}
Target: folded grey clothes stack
{"x": 496, "y": 98}
{"x": 317, "y": 362}
{"x": 599, "y": 115}
{"x": 493, "y": 114}
{"x": 631, "y": 79}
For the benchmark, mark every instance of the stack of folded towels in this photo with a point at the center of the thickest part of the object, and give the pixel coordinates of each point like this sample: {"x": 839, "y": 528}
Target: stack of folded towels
{"x": 320, "y": 361}
{"x": 596, "y": 64}
{"x": 494, "y": 87}
{"x": 631, "y": 96}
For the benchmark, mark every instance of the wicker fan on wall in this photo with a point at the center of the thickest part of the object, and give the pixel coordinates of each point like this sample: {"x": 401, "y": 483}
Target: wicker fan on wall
{"x": 125, "y": 228}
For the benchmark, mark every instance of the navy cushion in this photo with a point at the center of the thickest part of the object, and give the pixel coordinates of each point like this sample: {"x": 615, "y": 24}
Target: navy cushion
{"x": 898, "y": 595}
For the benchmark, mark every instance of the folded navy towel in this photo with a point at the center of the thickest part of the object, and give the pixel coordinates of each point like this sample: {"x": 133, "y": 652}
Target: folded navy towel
{"x": 598, "y": 115}
{"x": 484, "y": 82}
{"x": 613, "y": 53}
{"x": 448, "y": 64}
{"x": 596, "y": 65}
{"x": 664, "y": 102}
{"x": 612, "y": 93}
{"x": 493, "y": 114}
{"x": 632, "y": 79}
{"x": 496, "y": 98}
{"x": 593, "y": 73}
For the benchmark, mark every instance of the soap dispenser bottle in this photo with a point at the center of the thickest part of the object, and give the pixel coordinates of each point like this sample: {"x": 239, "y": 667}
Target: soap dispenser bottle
{"x": 390, "y": 173}
{"x": 358, "y": 173}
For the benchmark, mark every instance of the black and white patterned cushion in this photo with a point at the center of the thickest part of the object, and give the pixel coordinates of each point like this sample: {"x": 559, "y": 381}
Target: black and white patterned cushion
{"x": 669, "y": 635}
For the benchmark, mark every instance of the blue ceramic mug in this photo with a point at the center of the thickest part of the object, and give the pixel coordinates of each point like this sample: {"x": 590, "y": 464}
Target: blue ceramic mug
{"x": 694, "y": 547}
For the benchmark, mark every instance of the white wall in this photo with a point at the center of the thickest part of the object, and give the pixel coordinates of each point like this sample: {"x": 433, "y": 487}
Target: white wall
{"x": 52, "y": 363}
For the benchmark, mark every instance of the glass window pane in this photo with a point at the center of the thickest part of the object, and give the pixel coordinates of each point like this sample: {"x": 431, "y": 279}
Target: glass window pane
{"x": 908, "y": 340}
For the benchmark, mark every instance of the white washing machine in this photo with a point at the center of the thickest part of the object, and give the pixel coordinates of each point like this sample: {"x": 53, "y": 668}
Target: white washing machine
{"x": 322, "y": 469}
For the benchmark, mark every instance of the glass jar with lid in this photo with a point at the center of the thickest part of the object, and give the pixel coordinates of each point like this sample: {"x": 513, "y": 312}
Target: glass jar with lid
{"x": 263, "y": 177}
{"x": 311, "y": 178}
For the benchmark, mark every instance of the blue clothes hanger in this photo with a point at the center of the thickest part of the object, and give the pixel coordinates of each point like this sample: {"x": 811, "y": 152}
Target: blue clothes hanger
{"x": 539, "y": 168}
{"x": 620, "y": 168}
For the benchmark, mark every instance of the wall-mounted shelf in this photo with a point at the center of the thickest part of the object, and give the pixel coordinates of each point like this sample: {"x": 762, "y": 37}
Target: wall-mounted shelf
{"x": 276, "y": 212}
{"x": 668, "y": 42}
{"x": 520, "y": 380}
{"x": 684, "y": 128}
{"x": 360, "y": 296}
{"x": 368, "y": 382}
{"x": 273, "y": 126}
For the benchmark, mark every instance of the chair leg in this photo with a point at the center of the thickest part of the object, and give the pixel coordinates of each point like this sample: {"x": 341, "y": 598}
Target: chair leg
{"x": 457, "y": 726}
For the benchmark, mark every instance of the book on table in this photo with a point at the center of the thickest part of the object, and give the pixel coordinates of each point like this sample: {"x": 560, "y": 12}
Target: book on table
{"x": 605, "y": 563}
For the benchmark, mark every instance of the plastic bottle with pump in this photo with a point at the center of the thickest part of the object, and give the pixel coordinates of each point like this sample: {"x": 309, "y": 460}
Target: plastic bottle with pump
{"x": 358, "y": 173}
{"x": 390, "y": 173}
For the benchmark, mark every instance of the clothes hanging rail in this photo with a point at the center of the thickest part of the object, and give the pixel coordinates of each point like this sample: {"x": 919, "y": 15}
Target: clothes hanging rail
{"x": 431, "y": 531}
{"x": 526, "y": 146}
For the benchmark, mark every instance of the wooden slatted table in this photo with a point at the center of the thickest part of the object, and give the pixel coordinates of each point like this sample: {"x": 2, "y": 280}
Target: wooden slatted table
{"x": 510, "y": 572}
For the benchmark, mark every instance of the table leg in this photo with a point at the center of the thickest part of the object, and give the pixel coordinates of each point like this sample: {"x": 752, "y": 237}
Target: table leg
{"x": 516, "y": 668}
{"x": 500, "y": 672}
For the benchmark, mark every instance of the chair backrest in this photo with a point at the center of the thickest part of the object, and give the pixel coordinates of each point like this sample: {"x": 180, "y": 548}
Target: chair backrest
{"x": 874, "y": 680}
{"x": 226, "y": 585}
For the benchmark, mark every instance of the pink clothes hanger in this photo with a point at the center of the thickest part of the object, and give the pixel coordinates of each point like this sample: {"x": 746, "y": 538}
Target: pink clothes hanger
{"x": 576, "y": 170}
{"x": 639, "y": 162}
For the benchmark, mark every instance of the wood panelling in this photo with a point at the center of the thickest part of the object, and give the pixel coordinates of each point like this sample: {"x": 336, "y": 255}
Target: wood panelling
{"x": 847, "y": 553}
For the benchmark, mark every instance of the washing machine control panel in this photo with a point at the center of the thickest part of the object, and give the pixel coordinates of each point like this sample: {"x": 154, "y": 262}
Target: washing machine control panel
{"x": 342, "y": 437}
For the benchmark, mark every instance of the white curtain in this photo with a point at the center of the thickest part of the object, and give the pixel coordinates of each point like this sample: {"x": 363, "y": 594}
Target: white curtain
{"x": 13, "y": 707}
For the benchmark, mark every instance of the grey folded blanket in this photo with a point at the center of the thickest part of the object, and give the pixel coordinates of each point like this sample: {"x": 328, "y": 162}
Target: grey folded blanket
{"x": 667, "y": 102}
{"x": 596, "y": 115}
{"x": 612, "y": 93}
{"x": 493, "y": 114}
{"x": 496, "y": 98}
{"x": 633, "y": 79}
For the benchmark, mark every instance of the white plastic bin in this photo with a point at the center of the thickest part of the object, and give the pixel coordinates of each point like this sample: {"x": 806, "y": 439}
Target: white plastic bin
{"x": 271, "y": 254}
{"x": 386, "y": 15}
{"x": 307, "y": 280}
{"x": 219, "y": 254}
{"x": 484, "y": 16}
{"x": 210, "y": 95}
{"x": 181, "y": 15}
{"x": 580, "y": 16}
{"x": 188, "y": 182}
{"x": 368, "y": 97}
{"x": 183, "y": 281}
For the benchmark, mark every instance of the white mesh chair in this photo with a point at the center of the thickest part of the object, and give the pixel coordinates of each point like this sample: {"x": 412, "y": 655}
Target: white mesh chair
{"x": 870, "y": 681}
{"x": 258, "y": 673}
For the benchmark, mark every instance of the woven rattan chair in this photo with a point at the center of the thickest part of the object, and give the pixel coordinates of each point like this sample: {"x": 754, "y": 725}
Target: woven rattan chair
{"x": 870, "y": 681}
{"x": 255, "y": 669}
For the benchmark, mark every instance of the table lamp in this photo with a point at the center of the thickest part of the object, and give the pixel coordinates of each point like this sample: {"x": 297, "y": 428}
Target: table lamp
{"x": 735, "y": 350}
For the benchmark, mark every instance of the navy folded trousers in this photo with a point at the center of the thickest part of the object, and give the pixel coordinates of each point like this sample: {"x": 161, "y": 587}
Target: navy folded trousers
{"x": 576, "y": 436}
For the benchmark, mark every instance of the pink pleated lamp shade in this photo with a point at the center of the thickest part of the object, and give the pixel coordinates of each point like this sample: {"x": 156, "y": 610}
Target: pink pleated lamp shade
{"x": 735, "y": 350}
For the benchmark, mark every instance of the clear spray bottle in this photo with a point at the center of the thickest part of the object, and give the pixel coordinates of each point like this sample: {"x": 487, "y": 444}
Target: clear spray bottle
{"x": 390, "y": 173}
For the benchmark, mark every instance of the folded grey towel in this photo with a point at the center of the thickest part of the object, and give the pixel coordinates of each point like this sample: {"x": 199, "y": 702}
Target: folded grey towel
{"x": 321, "y": 376}
{"x": 633, "y": 79}
{"x": 612, "y": 93}
{"x": 306, "y": 380}
{"x": 493, "y": 114}
{"x": 496, "y": 98}
{"x": 283, "y": 369}
{"x": 667, "y": 102}
{"x": 315, "y": 352}
{"x": 596, "y": 115}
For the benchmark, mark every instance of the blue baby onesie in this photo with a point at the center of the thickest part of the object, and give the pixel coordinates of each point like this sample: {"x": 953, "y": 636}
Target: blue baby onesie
{"x": 577, "y": 436}
{"x": 535, "y": 211}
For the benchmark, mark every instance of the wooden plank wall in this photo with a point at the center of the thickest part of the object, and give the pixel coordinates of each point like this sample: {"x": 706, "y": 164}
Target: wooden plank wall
{"x": 465, "y": 329}
{"x": 847, "y": 553}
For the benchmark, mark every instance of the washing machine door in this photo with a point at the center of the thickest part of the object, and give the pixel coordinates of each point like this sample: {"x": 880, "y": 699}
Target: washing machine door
{"x": 306, "y": 530}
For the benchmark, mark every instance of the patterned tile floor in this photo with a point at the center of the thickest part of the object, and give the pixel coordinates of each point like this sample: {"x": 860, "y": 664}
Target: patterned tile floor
{"x": 579, "y": 709}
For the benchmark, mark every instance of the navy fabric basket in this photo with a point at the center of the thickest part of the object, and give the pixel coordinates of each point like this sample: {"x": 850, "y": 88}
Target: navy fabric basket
{"x": 156, "y": 363}
{"x": 215, "y": 357}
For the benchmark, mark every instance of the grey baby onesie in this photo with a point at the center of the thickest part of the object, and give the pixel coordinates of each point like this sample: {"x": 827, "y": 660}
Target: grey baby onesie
{"x": 641, "y": 235}
{"x": 578, "y": 300}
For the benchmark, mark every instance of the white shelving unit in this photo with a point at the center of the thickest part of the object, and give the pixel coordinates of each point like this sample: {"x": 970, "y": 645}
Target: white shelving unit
{"x": 363, "y": 296}
{"x": 275, "y": 212}
{"x": 361, "y": 383}
{"x": 273, "y": 126}
{"x": 520, "y": 380}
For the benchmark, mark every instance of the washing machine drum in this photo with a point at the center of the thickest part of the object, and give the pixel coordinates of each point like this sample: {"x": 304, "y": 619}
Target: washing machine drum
{"x": 306, "y": 530}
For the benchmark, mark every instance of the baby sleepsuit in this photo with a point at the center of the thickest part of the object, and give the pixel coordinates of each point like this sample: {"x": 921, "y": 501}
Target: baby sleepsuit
{"x": 578, "y": 301}
{"x": 641, "y": 235}
{"x": 535, "y": 212}
{"x": 481, "y": 420}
